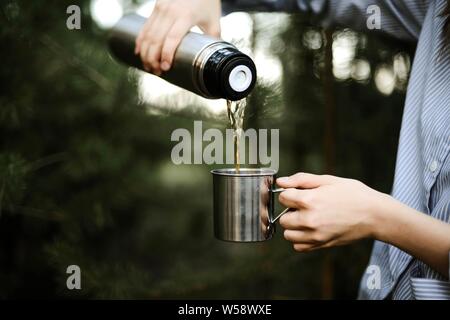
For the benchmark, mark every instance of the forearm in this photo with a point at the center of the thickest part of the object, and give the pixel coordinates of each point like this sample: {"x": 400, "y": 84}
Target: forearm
{"x": 422, "y": 236}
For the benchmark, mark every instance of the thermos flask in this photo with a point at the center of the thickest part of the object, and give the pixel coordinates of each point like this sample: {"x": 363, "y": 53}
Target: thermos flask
{"x": 207, "y": 66}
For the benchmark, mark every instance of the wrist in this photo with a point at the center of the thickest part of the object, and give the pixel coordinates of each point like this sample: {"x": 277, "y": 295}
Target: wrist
{"x": 379, "y": 215}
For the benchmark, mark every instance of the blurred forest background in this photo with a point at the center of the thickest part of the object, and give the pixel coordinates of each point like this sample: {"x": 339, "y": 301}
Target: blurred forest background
{"x": 86, "y": 176}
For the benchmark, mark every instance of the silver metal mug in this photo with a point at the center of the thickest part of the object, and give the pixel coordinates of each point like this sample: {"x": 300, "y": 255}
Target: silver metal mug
{"x": 244, "y": 204}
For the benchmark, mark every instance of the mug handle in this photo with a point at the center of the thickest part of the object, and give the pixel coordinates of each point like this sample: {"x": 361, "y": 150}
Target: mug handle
{"x": 278, "y": 190}
{"x": 271, "y": 225}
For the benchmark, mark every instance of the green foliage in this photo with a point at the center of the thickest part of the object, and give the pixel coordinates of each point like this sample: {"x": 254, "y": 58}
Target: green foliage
{"x": 12, "y": 183}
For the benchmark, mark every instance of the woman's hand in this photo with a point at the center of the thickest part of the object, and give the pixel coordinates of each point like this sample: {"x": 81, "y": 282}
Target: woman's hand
{"x": 330, "y": 211}
{"x": 168, "y": 24}
{"x": 327, "y": 210}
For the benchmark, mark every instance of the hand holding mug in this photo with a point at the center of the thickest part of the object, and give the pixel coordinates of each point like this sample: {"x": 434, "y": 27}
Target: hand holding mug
{"x": 326, "y": 210}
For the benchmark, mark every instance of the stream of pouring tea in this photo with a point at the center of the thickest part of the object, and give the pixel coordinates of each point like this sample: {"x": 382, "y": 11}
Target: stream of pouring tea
{"x": 236, "y": 110}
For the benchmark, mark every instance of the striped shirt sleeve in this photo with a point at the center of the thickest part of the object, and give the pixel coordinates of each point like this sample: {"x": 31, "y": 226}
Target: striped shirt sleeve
{"x": 430, "y": 289}
{"x": 400, "y": 19}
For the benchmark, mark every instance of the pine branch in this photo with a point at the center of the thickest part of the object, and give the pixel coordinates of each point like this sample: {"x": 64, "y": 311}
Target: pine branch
{"x": 89, "y": 72}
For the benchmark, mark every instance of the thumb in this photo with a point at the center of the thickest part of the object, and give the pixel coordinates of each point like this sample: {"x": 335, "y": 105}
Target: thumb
{"x": 304, "y": 180}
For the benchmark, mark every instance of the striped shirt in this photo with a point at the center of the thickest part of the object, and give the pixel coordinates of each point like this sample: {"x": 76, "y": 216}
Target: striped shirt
{"x": 422, "y": 175}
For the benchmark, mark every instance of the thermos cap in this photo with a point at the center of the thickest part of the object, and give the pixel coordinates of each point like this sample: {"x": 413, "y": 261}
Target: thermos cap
{"x": 240, "y": 78}
{"x": 228, "y": 74}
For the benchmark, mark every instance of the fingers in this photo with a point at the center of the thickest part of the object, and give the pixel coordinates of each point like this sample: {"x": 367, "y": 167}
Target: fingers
{"x": 143, "y": 40}
{"x": 305, "y": 247}
{"x": 173, "y": 39}
{"x": 163, "y": 23}
{"x": 305, "y": 180}
{"x": 299, "y": 236}
{"x": 295, "y": 198}
{"x": 170, "y": 21}
{"x": 143, "y": 32}
{"x": 302, "y": 241}
{"x": 294, "y": 220}
{"x": 150, "y": 41}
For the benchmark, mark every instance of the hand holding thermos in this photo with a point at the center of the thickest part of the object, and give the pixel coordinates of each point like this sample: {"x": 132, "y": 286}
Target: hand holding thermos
{"x": 169, "y": 22}
{"x": 200, "y": 63}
